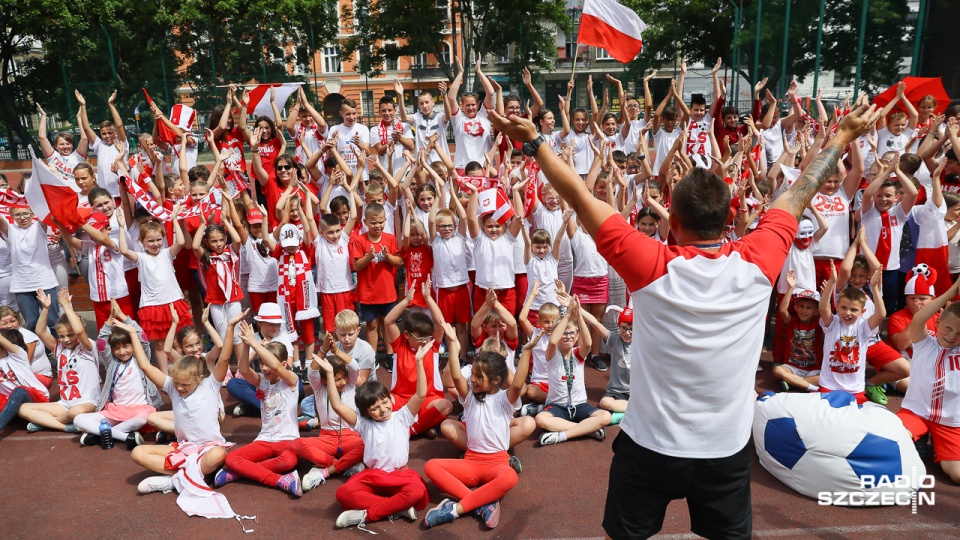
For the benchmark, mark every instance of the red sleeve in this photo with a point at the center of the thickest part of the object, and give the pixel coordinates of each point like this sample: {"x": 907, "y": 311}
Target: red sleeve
{"x": 357, "y": 249}
{"x": 755, "y": 111}
{"x": 718, "y": 121}
{"x": 768, "y": 244}
{"x": 898, "y": 322}
{"x": 638, "y": 259}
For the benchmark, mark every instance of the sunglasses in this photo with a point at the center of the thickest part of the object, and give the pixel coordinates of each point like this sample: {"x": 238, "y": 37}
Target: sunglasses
{"x": 284, "y": 167}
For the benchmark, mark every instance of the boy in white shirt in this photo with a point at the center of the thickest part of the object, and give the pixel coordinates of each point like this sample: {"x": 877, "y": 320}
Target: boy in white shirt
{"x": 111, "y": 132}
{"x": 351, "y": 132}
{"x": 425, "y": 122}
{"x": 391, "y": 131}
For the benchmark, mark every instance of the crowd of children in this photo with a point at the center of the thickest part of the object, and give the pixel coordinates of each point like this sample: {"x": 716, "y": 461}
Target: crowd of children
{"x": 461, "y": 271}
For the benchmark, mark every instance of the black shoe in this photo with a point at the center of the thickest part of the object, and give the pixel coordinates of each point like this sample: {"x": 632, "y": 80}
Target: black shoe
{"x": 599, "y": 363}
{"x": 386, "y": 360}
{"x": 163, "y": 438}
{"x": 134, "y": 439}
{"x": 89, "y": 440}
{"x": 921, "y": 444}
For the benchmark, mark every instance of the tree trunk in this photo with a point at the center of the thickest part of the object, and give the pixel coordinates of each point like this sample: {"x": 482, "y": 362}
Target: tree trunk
{"x": 8, "y": 113}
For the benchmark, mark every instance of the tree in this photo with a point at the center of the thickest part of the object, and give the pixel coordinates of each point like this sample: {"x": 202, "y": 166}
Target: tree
{"x": 702, "y": 30}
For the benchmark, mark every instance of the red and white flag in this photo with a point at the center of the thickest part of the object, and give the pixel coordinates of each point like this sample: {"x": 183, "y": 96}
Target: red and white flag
{"x": 611, "y": 26}
{"x": 181, "y": 115}
{"x": 495, "y": 201}
{"x": 52, "y": 197}
{"x": 260, "y": 97}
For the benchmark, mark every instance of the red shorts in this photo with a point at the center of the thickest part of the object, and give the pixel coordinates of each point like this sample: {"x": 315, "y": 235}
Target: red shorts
{"x": 534, "y": 317}
{"x": 542, "y": 386}
{"x": 454, "y": 303}
{"x": 507, "y": 297}
{"x": 861, "y": 397}
{"x": 101, "y": 310}
{"x": 333, "y": 303}
{"x": 946, "y": 439}
{"x": 880, "y": 354}
{"x": 822, "y": 268}
{"x": 257, "y": 299}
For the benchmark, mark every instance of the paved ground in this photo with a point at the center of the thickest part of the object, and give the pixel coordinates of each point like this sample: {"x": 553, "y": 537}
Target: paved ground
{"x": 54, "y": 487}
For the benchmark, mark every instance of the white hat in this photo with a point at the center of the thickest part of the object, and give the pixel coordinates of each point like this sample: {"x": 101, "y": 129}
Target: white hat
{"x": 807, "y": 295}
{"x": 289, "y": 235}
{"x": 269, "y": 313}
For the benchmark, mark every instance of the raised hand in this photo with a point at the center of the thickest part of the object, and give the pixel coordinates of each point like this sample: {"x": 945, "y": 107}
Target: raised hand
{"x": 43, "y": 298}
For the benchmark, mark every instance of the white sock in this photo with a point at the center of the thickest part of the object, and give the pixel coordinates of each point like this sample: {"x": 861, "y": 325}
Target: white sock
{"x": 813, "y": 388}
{"x": 563, "y": 436}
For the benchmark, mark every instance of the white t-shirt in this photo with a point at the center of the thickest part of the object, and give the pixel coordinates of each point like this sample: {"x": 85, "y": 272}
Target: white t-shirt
{"x": 333, "y": 265}
{"x": 449, "y": 255}
{"x": 39, "y": 362}
{"x": 197, "y": 416}
{"x": 566, "y": 379}
{"x": 488, "y": 421}
{"x": 539, "y": 372}
{"x": 587, "y": 262}
{"x": 386, "y": 445}
{"x": 191, "y": 156}
{"x": 65, "y": 164}
{"x": 15, "y": 371}
{"x": 699, "y": 141}
{"x": 78, "y": 376}
{"x": 494, "y": 261}
{"x": 552, "y": 222}
{"x": 327, "y": 418}
{"x": 544, "y": 270}
{"x": 472, "y": 137}
{"x": 835, "y": 210}
{"x": 310, "y": 137}
{"x": 582, "y": 153}
{"x": 157, "y": 279}
{"x": 263, "y": 269}
{"x": 633, "y": 137}
{"x": 801, "y": 262}
{"x": 106, "y": 155}
{"x": 30, "y": 259}
{"x": 934, "y": 383}
{"x": 363, "y": 356}
{"x": 376, "y": 136}
{"x": 127, "y": 386}
{"x": 773, "y": 142}
{"x": 424, "y": 127}
{"x": 105, "y": 276}
{"x": 343, "y": 142}
{"x": 662, "y": 143}
{"x": 278, "y": 411}
{"x": 873, "y": 221}
{"x": 844, "y": 354}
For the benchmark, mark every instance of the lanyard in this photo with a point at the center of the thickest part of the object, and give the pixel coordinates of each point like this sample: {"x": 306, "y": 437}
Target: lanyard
{"x": 568, "y": 369}
{"x": 116, "y": 377}
{"x": 339, "y": 426}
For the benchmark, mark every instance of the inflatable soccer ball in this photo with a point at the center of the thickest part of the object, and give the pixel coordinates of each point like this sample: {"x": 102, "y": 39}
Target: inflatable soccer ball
{"x": 826, "y": 443}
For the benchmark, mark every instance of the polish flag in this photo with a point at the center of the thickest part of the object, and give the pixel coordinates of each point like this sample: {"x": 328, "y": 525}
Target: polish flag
{"x": 611, "y": 26}
{"x": 260, "y": 97}
{"x": 51, "y": 197}
{"x": 181, "y": 115}
{"x": 494, "y": 201}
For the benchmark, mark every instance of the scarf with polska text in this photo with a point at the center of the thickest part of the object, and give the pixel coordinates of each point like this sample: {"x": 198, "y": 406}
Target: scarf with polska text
{"x": 141, "y": 194}
{"x": 9, "y": 197}
{"x": 480, "y": 182}
{"x": 384, "y": 136}
{"x": 296, "y": 292}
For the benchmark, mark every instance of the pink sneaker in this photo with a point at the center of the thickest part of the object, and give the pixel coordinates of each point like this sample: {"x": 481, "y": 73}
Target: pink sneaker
{"x": 226, "y": 378}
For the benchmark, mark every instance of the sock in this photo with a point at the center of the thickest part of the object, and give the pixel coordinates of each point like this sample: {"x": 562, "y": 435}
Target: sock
{"x": 455, "y": 513}
{"x": 813, "y": 388}
{"x": 615, "y": 418}
{"x": 563, "y": 436}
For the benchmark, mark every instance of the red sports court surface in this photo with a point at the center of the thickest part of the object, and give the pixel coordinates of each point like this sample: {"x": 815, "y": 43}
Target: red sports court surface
{"x": 53, "y": 487}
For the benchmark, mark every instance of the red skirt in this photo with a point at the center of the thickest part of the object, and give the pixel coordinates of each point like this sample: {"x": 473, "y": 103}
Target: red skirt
{"x": 590, "y": 290}
{"x": 155, "y": 320}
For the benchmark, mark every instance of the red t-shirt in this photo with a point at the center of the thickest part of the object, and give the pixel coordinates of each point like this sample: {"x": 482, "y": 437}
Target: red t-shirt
{"x": 419, "y": 263}
{"x": 268, "y": 155}
{"x": 899, "y": 322}
{"x": 272, "y": 192}
{"x": 376, "y": 282}
{"x": 215, "y": 293}
{"x": 405, "y": 370}
{"x": 720, "y": 131}
{"x": 192, "y": 225}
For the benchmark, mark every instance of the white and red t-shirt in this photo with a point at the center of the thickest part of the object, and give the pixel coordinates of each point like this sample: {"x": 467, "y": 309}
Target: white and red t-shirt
{"x": 801, "y": 262}
{"x": 106, "y": 272}
{"x": 691, "y": 354}
{"x": 386, "y": 445}
{"x": 633, "y": 137}
{"x": 333, "y": 265}
{"x": 699, "y": 140}
{"x": 78, "y": 376}
{"x": 310, "y": 137}
{"x": 835, "y": 210}
{"x": 565, "y": 377}
{"x": 15, "y": 371}
{"x": 327, "y": 418}
{"x": 346, "y": 134}
{"x": 424, "y": 127}
{"x": 472, "y": 137}
{"x": 844, "y": 354}
{"x": 278, "y": 411}
{"x": 65, "y": 164}
{"x": 383, "y": 134}
{"x": 884, "y": 231}
{"x": 934, "y": 383}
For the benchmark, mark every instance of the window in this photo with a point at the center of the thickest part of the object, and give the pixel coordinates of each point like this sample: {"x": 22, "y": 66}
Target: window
{"x": 301, "y": 60}
{"x": 331, "y": 59}
{"x": 420, "y": 61}
{"x": 390, "y": 64}
{"x": 601, "y": 54}
{"x": 366, "y": 100}
{"x": 503, "y": 57}
{"x": 445, "y": 52}
{"x": 443, "y": 9}
{"x": 571, "y": 33}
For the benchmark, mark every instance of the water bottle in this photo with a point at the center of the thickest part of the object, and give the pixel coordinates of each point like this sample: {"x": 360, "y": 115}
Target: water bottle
{"x": 106, "y": 435}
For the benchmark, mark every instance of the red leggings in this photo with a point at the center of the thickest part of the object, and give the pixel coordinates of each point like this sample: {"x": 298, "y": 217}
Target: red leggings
{"x": 101, "y": 310}
{"x": 258, "y": 298}
{"x": 490, "y": 474}
{"x": 263, "y": 461}
{"x": 322, "y": 450}
{"x": 427, "y": 417}
{"x": 383, "y": 493}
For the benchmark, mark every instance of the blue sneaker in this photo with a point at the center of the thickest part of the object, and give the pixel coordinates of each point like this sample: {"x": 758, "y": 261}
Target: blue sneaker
{"x": 33, "y": 428}
{"x": 224, "y": 476}
{"x": 490, "y": 514}
{"x": 72, "y": 428}
{"x": 290, "y": 483}
{"x": 445, "y": 512}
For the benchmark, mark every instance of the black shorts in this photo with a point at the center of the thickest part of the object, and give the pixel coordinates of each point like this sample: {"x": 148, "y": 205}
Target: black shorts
{"x": 577, "y": 413}
{"x": 623, "y": 396}
{"x": 643, "y": 482}
{"x": 369, "y": 312}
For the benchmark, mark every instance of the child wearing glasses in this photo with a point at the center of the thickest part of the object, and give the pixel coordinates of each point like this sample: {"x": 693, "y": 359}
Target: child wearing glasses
{"x": 30, "y": 261}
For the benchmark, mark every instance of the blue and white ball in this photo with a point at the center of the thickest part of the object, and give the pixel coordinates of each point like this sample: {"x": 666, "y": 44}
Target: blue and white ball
{"x": 818, "y": 443}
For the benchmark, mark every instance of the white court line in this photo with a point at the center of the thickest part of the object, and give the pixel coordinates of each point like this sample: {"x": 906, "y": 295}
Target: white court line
{"x": 817, "y": 531}
{"x": 51, "y": 437}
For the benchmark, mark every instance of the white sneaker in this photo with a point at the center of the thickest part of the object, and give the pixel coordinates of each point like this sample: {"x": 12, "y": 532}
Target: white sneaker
{"x": 550, "y": 437}
{"x": 156, "y": 483}
{"x": 351, "y": 517}
{"x": 316, "y": 477}
{"x": 409, "y": 513}
{"x": 600, "y": 434}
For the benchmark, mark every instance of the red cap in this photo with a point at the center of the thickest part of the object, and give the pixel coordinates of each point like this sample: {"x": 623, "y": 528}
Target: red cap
{"x": 626, "y": 316}
{"x": 98, "y": 221}
{"x": 254, "y": 216}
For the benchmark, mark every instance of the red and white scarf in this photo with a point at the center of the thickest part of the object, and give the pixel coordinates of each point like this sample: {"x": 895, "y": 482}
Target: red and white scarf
{"x": 138, "y": 189}
{"x": 296, "y": 292}
{"x": 228, "y": 272}
{"x": 9, "y": 197}
{"x": 384, "y": 135}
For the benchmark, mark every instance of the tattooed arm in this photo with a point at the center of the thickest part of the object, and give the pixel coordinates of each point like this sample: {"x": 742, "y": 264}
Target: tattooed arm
{"x": 855, "y": 124}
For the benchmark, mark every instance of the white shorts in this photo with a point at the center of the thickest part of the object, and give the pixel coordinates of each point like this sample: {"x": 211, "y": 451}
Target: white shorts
{"x": 802, "y": 373}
